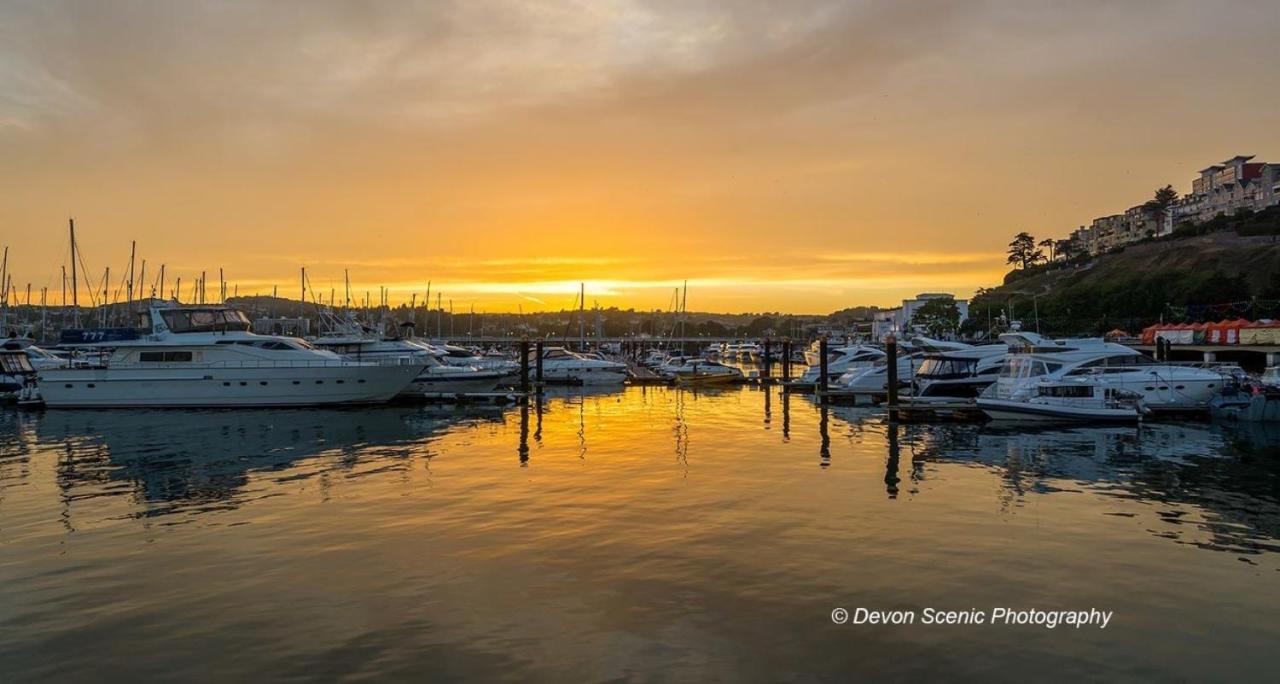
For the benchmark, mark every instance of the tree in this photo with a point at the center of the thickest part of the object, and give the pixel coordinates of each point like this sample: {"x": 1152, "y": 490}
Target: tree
{"x": 937, "y": 316}
{"x": 1023, "y": 252}
{"x": 1048, "y": 242}
{"x": 1161, "y": 202}
{"x": 1272, "y": 289}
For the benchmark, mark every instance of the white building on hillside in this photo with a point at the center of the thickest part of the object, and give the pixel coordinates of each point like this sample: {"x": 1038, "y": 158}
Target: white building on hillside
{"x": 898, "y": 320}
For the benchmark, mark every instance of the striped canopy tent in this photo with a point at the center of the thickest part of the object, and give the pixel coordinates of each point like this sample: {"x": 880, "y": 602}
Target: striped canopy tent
{"x": 1232, "y": 330}
{"x": 1198, "y": 331}
{"x": 1149, "y": 333}
{"x": 1180, "y": 334}
{"x": 1260, "y": 332}
{"x": 1216, "y": 333}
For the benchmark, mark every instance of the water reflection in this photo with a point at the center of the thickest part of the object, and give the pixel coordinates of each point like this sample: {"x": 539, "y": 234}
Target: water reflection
{"x": 654, "y": 529}
{"x": 203, "y": 460}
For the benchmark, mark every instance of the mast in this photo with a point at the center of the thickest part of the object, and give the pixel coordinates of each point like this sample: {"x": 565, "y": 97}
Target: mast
{"x": 133, "y": 253}
{"x": 684, "y": 310}
{"x": 582, "y": 322}
{"x": 439, "y": 318}
{"x": 162, "y": 281}
{"x": 75, "y": 297}
{"x": 4, "y": 289}
{"x": 106, "y": 283}
{"x": 302, "y": 304}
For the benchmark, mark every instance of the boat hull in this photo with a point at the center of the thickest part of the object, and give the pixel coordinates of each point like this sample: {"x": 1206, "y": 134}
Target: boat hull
{"x": 225, "y": 386}
{"x": 426, "y": 385}
{"x": 999, "y": 409}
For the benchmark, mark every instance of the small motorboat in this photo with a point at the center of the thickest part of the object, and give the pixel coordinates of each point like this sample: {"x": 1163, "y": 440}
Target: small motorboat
{"x": 701, "y": 372}
{"x": 1089, "y": 399}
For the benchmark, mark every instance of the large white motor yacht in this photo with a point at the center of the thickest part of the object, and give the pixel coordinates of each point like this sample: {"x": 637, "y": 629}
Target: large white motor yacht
{"x": 206, "y": 356}
{"x": 1162, "y": 387}
{"x": 559, "y": 365}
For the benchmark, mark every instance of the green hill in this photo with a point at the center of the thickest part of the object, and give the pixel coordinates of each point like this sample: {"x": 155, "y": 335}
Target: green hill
{"x": 1226, "y": 267}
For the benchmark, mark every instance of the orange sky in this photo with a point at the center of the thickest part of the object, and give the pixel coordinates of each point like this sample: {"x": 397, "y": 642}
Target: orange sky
{"x": 801, "y": 156}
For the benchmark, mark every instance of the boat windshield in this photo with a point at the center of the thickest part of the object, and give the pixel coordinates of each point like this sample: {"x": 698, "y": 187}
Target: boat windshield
{"x": 947, "y": 368}
{"x": 205, "y": 320}
{"x": 1016, "y": 367}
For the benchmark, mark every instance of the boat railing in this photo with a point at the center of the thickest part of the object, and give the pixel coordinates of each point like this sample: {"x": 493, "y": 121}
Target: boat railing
{"x": 267, "y": 363}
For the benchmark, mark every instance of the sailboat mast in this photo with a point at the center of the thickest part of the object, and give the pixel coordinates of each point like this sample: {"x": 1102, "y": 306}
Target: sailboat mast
{"x": 133, "y": 253}
{"x": 684, "y": 310}
{"x": 75, "y": 287}
{"x": 582, "y": 322}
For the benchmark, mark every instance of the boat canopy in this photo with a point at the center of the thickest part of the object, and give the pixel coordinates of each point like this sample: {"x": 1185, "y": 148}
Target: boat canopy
{"x": 203, "y": 320}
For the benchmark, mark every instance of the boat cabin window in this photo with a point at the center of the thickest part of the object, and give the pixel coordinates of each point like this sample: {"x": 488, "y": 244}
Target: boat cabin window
{"x": 205, "y": 320}
{"x": 164, "y": 357}
{"x": 1067, "y": 391}
{"x": 556, "y": 354}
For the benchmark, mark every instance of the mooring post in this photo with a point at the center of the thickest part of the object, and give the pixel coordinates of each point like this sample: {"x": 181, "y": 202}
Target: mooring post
{"x": 768, "y": 359}
{"x": 537, "y": 368}
{"x": 786, "y": 358}
{"x": 524, "y": 365}
{"x": 891, "y": 354}
{"x": 823, "y": 367}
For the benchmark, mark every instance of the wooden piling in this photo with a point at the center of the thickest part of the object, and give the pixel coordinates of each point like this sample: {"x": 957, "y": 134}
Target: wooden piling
{"x": 891, "y": 352}
{"x": 823, "y": 368}
{"x": 524, "y": 365}
{"x": 786, "y": 358}
{"x": 537, "y": 360}
{"x": 768, "y": 359}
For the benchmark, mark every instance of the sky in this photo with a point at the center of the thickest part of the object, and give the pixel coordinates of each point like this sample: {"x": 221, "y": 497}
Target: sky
{"x": 797, "y": 156}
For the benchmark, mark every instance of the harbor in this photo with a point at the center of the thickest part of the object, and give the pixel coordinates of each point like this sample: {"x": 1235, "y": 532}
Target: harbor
{"x": 823, "y": 341}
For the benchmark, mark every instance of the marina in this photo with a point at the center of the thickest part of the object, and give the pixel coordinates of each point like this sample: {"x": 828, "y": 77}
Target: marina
{"x": 825, "y": 341}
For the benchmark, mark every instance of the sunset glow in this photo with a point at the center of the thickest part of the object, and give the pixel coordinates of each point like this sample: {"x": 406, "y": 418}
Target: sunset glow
{"x": 806, "y": 160}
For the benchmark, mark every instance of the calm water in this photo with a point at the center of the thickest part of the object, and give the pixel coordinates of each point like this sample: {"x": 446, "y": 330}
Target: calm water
{"x": 651, "y": 534}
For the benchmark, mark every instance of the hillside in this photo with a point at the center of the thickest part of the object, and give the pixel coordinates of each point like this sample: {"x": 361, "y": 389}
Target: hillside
{"x": 1221, "y": 268}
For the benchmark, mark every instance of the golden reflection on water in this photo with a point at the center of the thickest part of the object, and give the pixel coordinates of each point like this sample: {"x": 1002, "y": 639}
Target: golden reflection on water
{"x": 600, "y": 535}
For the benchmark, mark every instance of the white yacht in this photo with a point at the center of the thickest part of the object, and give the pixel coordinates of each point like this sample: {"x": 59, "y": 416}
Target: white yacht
{"x": 559, "y": 365}
{"x": 750, "y": 351}
{"x": 436, "y": 378}
{"x": 1162, "y": 387}
{"x": 1093, "y": 399}
{"x": 842, "y": 360}
{"x": 870, "y": 384}
{"x": 206, "y": 356}
{"x": 453, "y": 355}
{"x": 946, "y": 375}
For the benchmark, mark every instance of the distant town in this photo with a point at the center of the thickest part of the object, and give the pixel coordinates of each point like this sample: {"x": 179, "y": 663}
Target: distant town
{"x": 1223, "y": 189}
